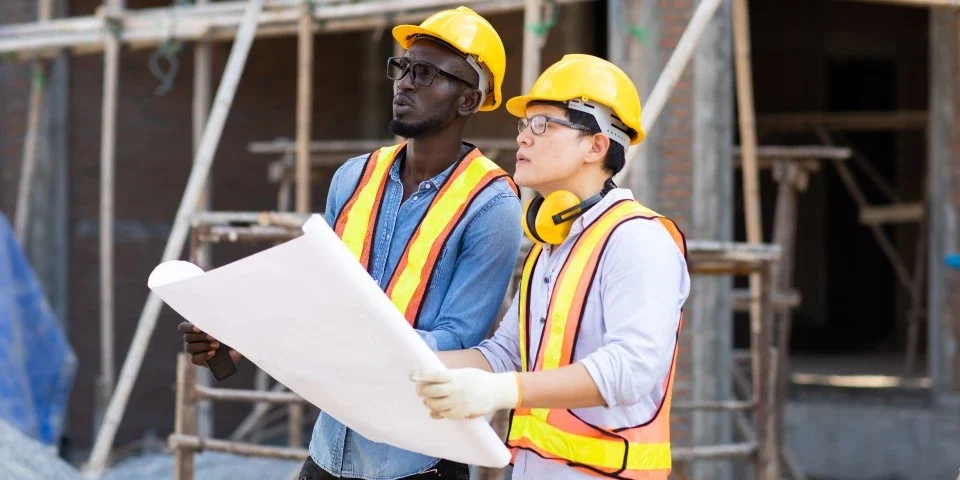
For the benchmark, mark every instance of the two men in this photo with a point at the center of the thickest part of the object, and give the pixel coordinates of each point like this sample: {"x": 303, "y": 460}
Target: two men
{"x": 432, "y": 220}
{"x": 593, "y": 329}
{"x": 585, "y": 356}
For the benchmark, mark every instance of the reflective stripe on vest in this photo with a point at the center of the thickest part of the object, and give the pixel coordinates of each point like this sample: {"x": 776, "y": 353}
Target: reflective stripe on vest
{"x": 641, "y": 452}
{"x": 356, "y": 222}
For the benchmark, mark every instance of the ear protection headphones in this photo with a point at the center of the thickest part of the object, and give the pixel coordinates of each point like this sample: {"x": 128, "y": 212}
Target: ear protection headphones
{"x": 548, "y": 219}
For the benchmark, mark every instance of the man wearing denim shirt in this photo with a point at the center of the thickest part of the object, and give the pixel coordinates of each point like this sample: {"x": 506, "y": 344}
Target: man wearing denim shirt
{"x": 453, "y": 67}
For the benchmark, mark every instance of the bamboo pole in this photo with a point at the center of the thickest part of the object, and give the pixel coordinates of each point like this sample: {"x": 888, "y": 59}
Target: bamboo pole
{"x": 146, "y": 28}
{"x": 185, "y": 419}
{"x": 108, "y": 140}
{"x": 766, "y": 468}
{"x": 188, "y": 204}
{"x": 38, "y": 91}
{"x": 196, "y": 443}
{"x": 913, "y": 3}
{"x": 761, "y": 342}
{"x": 668, "y": 79}
{"x": 304, "y": 108}
{"x": 532, "y": 42}
{"x": 530, "y": 68}
{"x": 202, "y": 86}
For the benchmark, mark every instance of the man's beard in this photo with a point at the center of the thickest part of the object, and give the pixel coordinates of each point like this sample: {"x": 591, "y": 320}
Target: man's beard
{"x": 413, "y": 130}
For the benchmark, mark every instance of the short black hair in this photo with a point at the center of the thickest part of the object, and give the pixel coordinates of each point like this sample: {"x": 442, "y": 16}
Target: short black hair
{"x": 616, "y": 155}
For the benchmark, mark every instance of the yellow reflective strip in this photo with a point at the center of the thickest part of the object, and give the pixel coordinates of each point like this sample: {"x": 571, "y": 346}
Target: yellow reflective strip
{"x": 523, "y": 304}
{"x": 646, "y": 212}
{"x": 358, "y": 218}
{"x": 573, "y": 268}
{"x": 595, "y": 452}
{"x": 432, "y": 225}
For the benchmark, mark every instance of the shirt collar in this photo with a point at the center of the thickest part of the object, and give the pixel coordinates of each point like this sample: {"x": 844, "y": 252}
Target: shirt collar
{"x": 588, "y": 217}
{"x": 436, "y": 181}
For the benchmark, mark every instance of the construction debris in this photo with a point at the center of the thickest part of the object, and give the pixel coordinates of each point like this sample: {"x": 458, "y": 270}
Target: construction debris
{"x": 22, "y": 458}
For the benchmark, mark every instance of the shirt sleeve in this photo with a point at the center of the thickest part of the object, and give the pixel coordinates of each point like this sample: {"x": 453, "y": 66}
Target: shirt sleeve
{"x": 502, "y": 350}
{"x": 479, "y": 281}
{"x": 643, "y": 284}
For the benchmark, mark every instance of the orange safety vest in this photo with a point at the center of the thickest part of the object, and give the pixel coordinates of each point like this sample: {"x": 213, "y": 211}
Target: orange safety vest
{"x": 357, "y": 221}
{"x": 640, "y": 452}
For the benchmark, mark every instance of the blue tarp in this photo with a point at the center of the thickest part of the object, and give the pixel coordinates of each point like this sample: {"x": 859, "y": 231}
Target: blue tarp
{"x": 37, "y": 365}
{"x": 953, "y": 260}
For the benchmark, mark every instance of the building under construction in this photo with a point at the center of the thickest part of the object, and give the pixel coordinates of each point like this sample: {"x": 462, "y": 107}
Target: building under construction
{"x": 809, "y": 148}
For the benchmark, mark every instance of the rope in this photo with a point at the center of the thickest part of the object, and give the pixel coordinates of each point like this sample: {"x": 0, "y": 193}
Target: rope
{"x": 638, "y": 33}
{"x": 541, "y": 29}
{"x": 168, "y": 51}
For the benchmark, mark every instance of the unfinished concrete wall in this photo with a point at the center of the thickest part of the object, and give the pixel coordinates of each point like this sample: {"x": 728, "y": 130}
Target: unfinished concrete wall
{"x": 944, "y": 205}
{"x": 684, "y": 170}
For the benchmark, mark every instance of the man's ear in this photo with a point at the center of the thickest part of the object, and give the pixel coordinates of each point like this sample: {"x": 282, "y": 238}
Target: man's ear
{"x": 597, "y": 148}
{"x": 469, "y": 102}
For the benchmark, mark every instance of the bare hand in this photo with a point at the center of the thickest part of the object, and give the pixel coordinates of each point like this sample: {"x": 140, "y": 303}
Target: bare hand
{"x": 201, "y": 346}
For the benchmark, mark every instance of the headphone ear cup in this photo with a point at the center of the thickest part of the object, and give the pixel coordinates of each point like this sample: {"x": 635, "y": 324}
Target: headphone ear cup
{"x": 554, "y": 203}
{"x": 529, "y": 219}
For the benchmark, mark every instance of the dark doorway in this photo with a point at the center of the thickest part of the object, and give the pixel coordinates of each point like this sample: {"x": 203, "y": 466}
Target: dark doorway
{"x": 860, "y": 281}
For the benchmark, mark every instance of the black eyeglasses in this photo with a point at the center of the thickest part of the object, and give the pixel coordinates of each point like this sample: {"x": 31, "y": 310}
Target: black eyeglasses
{"x": 423, "y": 73}
{"x": 538, "y": 124}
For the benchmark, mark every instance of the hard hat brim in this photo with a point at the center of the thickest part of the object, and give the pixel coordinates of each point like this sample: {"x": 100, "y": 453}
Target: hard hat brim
{"x": 405, "y": 34}
{"x": 517, "y": 106}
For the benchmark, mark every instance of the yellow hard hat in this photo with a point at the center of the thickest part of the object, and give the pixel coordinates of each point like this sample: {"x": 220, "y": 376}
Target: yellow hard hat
{"x": 472, "y": 35}
{"x": 580, "y": 80}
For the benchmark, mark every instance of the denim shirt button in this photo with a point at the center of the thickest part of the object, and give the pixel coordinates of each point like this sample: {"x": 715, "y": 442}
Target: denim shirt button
{"x": 546, "y": 279}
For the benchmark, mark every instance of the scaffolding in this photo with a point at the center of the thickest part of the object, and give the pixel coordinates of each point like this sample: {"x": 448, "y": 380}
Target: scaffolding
{"x": 113, "y": 28}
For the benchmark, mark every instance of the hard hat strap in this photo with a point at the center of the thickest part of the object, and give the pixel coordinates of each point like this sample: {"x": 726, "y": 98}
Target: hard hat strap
{"x": 484, "y": 74}
{"x": 606, "y": 119}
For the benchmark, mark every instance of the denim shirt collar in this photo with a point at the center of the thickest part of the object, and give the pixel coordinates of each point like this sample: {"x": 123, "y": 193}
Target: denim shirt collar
{"x": 438, "y": 180}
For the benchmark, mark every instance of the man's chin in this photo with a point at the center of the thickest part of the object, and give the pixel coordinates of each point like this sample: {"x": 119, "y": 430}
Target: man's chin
{"x": 406, "y": 129}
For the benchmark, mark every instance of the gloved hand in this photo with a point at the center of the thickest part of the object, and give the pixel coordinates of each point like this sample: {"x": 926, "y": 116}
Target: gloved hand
{"x": 466, "y": 393}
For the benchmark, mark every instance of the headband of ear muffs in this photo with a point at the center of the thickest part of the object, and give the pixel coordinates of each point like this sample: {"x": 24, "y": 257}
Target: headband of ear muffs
{"x": 548, "y": 219}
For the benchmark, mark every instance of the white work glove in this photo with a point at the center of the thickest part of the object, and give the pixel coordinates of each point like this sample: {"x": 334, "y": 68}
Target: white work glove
{"x": 466, "y": 393}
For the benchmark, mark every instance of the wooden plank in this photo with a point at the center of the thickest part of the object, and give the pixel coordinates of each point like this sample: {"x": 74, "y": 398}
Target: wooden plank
{"x": 781, "y": 300}
{"x": 720, "y": 405}
{"x": 798, "y": 152}
{"x": 193, "y": 442}
{"x": 185, "y": 417}
{"x": 788, "y": 177}
{"x": 295, "y": 424}
{"x": 848, "y": 121}
{"x": 279, "y": 219}
{"x": 237, "y": 395}
{"x": 188, "y": 204}
{"x": 913, "y": 3}
{"x": 147, "y": 28}
{"x": 281, "y": 146}
{"x": 304, "y": 108}
{"x": 732, "y": 450}
{"x": 894, "y": 213}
